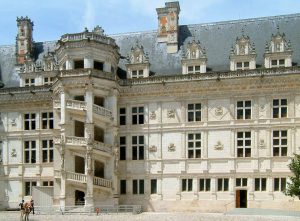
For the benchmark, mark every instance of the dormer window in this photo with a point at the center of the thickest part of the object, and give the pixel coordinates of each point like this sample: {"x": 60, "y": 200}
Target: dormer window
{"x": 242, "y": 55}
{"x": 138, "y": 65}
{"x": 48, "y": 80}
{"x": 29, "y": 82}
{"x": 194, "y": 59}
{"x": 278, "y": 52}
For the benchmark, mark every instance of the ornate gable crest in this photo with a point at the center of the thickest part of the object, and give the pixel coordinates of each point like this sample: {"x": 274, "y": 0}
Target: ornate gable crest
{"x": 137, "y": 55}
{"x": 194, "y": 51}
{"x": 243, "y": 46}
{"x": 278, "y": 43}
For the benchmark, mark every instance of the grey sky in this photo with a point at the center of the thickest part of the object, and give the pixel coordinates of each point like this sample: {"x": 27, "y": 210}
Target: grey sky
{"x": 53, "y": 18}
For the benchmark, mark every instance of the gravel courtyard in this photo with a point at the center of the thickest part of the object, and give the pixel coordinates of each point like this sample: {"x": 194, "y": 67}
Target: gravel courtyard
{"x": 13, "y": 216}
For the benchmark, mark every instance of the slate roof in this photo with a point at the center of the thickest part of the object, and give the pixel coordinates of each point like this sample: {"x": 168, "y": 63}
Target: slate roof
{"x": 217, "y": 38}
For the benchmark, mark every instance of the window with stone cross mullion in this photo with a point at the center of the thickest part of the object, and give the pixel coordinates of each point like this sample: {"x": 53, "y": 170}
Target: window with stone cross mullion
{"x": 279, "y": 143}
{"x": 29, "y": 121}
{"x": 47, "y": 151}
{"x": 244, "y": 144}
{"x": 194, "y": 145}
{"x": 279, "y": 108}
{"x": 47, "y": 120}
{"x": 137, "y": 115}
{"x": 30, "y": 151}
{"x": 279, "y": 184}
{"x": 137, "y": 147}
{"x": 243, "y": 110}
{"x": 194, "y": 112}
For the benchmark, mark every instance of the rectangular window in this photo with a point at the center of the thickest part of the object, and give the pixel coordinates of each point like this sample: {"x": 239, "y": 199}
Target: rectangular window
{"x": 122, "y": 148}
{"x": 30, "y": 151}
{"x": 243, "y": 110}
{"x": 47, "y": 183}
{"x": 137, "y": 74}
{"x": 47, "y": 120}
{"x": 29, "y": 122}
{"x": 194, "y": 145}
{"x": 78, "y": 64}
{"x": 122, "y": 116}
{"x": 194, "y": 69}
{"x": 278, "y": 63}
{"x": 241, "y": 182}
{"x": 279, "y": 108}
{"x": 244, "y": 144}
{"x": 47, "y": 151}
{"x": 153, "y": 186}
{"x": 137, "y": 147}
{"x": 194, "y": 112}
{"x": 223, "y": 184}
{"x": 29, "y": 82}
{"x": 204, "y": 185}
{"x": 138, "y": 186}
{"x": 242, "y": 65}
{"x": 122, "y": 186}
{"x": 138, "y": 115}
{"x": 280, "y": 143}
{"x": 186, "y": 185}
{"x": 48, "y": 80}
{"x": 98, "y": 65}
{"x": 260, "y": 184}
{"x": 279, "y": 184}
{"x": 28, "y": 187}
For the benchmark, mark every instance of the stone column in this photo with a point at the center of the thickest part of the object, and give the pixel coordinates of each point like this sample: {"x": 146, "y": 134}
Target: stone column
{"x": 62, "y": 197}
{"x": 89, "y": 199}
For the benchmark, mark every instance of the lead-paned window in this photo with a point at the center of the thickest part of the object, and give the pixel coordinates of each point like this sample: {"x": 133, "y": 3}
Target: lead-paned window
{"x": 122, "y": 148}
{"x": 47, "y": 120}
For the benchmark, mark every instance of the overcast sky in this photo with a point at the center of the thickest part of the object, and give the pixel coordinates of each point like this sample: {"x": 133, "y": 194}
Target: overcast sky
{"x": 53, "y": 18}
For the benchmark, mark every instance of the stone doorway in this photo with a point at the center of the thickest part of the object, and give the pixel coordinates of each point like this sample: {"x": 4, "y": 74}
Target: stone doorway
{"x": 241, "y": 198}
{"x": 79, "y": 198}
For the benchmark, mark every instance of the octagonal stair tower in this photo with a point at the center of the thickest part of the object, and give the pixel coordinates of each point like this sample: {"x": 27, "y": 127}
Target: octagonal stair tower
{"x": 85, "y": 107}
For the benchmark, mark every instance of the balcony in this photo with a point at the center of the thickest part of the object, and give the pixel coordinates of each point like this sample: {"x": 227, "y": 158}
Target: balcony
{"x": 102, "y": 113}
{"x": 82, "y": 178}
{"x": 76, "y": 105}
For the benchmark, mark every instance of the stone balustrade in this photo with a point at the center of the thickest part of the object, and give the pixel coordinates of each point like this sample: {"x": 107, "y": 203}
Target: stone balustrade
{"x": 217, "y": 75}
{"x": 76, "y": 176}
{"x": 103, "y": 147}
{"x": 76, "y": 141}
{"x": 87, "y": 72}
{"x": 76, "y": 105}
{"x": 102, "y": 111}
{"x": 102, "y": 182}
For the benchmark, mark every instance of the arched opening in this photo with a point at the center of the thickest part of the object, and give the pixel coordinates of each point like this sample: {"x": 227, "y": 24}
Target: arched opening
{"x": 98, "y": 169}
{"x": 99, "y": 134}
{"x": 99, "y": 101}
{"x": 79, "y": 198}
{"x": 79, "y": 165}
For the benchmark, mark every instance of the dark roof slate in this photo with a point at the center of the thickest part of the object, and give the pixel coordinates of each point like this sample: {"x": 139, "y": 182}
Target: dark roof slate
{"x": 217, "y": 38}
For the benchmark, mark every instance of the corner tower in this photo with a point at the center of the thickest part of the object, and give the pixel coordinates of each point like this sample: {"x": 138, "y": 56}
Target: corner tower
{"x": 24, "y": 42}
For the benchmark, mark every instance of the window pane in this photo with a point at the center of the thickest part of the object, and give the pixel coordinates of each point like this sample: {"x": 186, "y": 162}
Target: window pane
{"x": 134, "y": 187}
{"x": 276, "y": 184}
{"x": 141, "y": 153}
{"x": 220, "y": 184}
{"x": 263, "y": 184}
{"x": 257, "y": 184}
{"x": 141, "y": 187}
{"x": 207, "y": 184}
{"x": 226, "y": 181}
{"x": 201, "y": 184}
{"x": 183, "y": 185}
{"x": 153, "y": 186}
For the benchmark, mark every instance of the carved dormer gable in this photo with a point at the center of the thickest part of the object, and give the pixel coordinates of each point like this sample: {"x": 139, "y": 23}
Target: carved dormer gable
{"x": 278, "y": 52}
{"x": 242, "y": 55}
{"x": 194, "y": 58}
{"x": 49, "y": 62}
{"x": 138, "y": 63}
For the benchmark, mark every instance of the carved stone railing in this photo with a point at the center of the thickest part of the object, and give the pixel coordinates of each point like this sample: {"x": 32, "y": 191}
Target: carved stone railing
{"x": 88, "y": 36}
{"x": 76, "y": 105}
{"x": 211, "y": 76}
{"x": 102, "y": 182}
{"x": 102, "y": 147}
{"x": 76, "y": 176}
{"x": 102, "y": 111}
{"x": 56, "y": 104}
{"x": 76, "y": 141}
{"x": 88, "y": 72}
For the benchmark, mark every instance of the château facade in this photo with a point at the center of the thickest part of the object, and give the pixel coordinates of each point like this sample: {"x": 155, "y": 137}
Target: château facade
{"x": 184, "y": 118}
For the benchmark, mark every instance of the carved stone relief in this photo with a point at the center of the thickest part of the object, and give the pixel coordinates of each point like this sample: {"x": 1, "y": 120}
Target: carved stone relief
{"x": 171, "y": 114}
{"x": 219, "y": 111}
{"x": 13, "y": 153}
{"x": 152, "y": 148}
{"x": 152, "y": 115}
{"x": 262, "y": 144}
{"x": 219, "y": 146}
{"x": 13, "y": 122}
{"x": 171, "y": 147}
